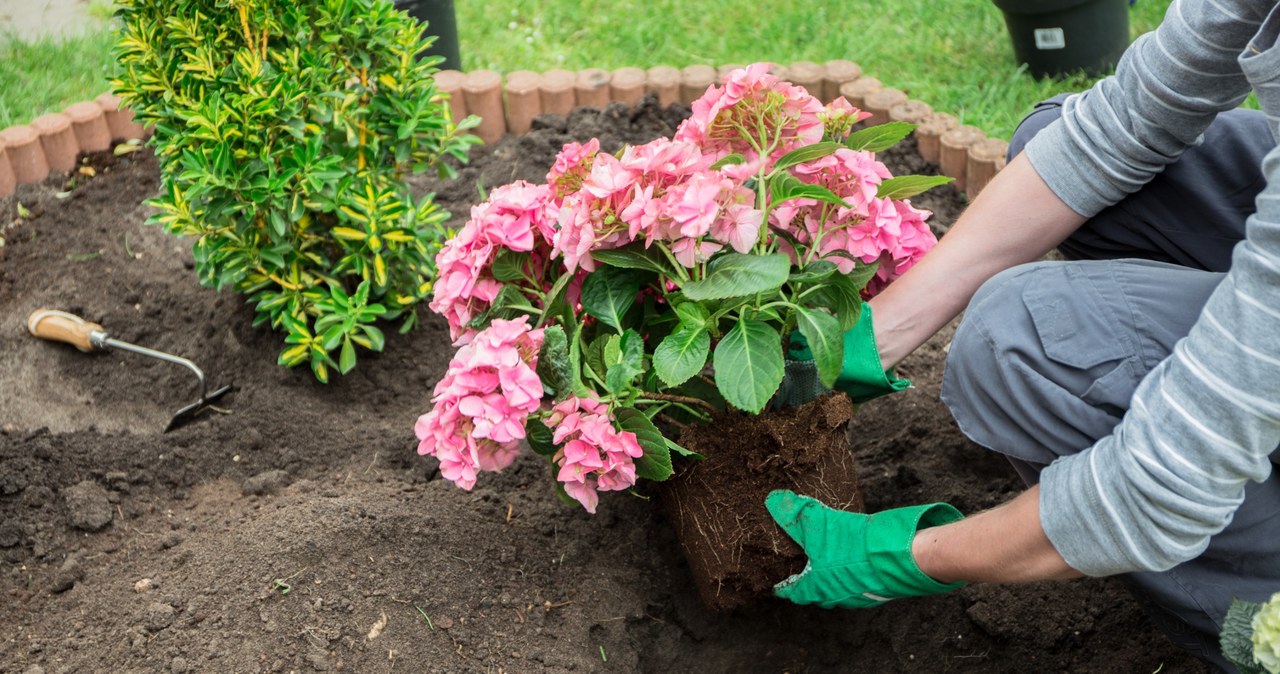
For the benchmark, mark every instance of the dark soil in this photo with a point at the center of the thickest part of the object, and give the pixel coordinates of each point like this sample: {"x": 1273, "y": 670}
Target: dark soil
{"x": 736, "y": 553}
{"x": 300, "y": 532}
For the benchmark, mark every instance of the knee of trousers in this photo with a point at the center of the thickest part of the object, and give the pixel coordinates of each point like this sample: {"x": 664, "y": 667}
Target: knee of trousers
{"x": 1005, "y": 393}
{"x": 1043, "y": 114}
{"x": 975, "y": 383}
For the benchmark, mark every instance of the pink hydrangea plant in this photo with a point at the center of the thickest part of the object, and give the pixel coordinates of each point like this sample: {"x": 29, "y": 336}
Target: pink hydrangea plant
{"x": 544, "y": 285}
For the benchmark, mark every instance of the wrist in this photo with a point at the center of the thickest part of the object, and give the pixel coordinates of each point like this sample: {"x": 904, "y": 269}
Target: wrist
{"x": 928, "y": 552}
{"x": 903, "y": 527}
{"x": 887, "y": 331}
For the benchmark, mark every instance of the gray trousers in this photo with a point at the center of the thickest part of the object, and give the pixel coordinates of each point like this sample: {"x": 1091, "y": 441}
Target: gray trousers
{"x": 1020, "y": 383}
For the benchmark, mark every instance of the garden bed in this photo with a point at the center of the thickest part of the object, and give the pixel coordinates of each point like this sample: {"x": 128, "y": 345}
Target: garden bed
{"x": 300, "y": 531}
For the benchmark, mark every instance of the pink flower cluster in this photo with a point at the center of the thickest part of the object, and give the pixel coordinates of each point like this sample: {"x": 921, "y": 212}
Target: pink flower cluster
{"x": 753, "y": 107}
{"x": 594, "y": 455}
{"x": 571, "y": 167}
{"x": 663, "y": 191}
{"x": 902, "y": 249}
{"x": 517, "y": 217}
{"x": 869, "y": 228}
{"x": 839, "y": 117}
{"x": 481, "y": 404}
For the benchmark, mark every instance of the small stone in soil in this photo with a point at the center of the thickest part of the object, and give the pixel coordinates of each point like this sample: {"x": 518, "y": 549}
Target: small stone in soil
{"x": 264, "y": 483}
{"x": 10, "y": 534}
{"x": 159, "y": 616}
{"x": 71, "y": 572}
{"x": 88, "y": 505}
{"x": 170, "y": 540}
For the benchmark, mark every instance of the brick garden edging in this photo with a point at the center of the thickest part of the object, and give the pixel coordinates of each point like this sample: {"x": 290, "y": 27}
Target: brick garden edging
{"x": 29, "y": 153}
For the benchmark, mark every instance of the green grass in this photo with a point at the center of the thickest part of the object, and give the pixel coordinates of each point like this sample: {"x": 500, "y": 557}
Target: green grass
{"x": 953, "y": 54}
{"x": 49, "y": 74}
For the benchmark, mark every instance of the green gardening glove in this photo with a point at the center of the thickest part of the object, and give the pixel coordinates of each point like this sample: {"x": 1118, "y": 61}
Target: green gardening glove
{"x": 856, "y": 560}
{"x": 862, "y": 375}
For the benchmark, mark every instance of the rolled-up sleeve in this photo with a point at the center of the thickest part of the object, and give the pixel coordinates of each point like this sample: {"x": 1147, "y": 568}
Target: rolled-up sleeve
{"x": 1168, "y": 87}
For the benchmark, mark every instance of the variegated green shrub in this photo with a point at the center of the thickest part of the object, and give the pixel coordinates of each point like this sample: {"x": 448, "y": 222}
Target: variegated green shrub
{"x": 284, "y": 132}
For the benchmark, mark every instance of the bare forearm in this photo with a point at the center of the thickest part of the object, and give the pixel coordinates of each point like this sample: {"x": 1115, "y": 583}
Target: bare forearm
{"x": 1016, "y": 219}
{"x": 1002, "y": 545}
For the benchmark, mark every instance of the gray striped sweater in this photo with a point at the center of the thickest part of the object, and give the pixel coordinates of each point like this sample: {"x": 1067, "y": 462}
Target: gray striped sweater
{"x": 1207, "y": 419}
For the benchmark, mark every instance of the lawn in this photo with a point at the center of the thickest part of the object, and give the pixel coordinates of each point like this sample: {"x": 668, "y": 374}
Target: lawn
{"x": 48, "y": 74}
{"x": 954, "y": 55}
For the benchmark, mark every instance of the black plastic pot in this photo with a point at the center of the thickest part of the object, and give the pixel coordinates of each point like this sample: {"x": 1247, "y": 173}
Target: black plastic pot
{"x": 1057, "y": 37}
{"x": 442, "y": 22}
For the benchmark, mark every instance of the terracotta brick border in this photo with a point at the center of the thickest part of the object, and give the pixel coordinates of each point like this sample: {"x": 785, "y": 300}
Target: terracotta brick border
{"x": 962, "y": 153}
{"x": 50, "y": 143}
{"x": 28, "y": 154}
{"x": 968, "y": 156}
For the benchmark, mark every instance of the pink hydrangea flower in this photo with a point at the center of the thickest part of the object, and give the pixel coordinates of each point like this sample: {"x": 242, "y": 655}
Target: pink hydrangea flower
{"x": 481, "y": 404}
{"x": 739, "y": 223}
{"x": 839, "y": 117}
{"x": 693, "y": 252}
{"x": 853, "y": 175}
{"x": 869, "y": 228}
{"x": 661, "y": 191}
{"x": 777, "y": 116}
{"x": 517, "y": 217}
{"x": 590, "y": 219}
{"x": 698, "y": 205}
{"x": 665, "y": 161}
{"x": 746, "y": 170}
{"x": 571, "y": 166}
{"x": 913, "y": 240}
{"x": 608, "y": 177}
{"x": 594, "y": 456}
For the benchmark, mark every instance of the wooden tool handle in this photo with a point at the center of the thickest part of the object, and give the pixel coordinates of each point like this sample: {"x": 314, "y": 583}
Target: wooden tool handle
{"x": 60, "y": 326}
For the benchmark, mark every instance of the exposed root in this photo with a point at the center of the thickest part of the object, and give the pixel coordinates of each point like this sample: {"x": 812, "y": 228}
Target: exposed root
{"x": 735, "y": 550}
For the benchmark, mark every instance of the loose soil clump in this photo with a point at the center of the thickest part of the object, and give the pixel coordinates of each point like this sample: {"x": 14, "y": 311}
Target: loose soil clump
{"x": 300, "y": 532}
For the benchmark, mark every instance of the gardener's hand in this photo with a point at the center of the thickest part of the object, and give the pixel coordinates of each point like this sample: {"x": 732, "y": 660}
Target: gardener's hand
{"x": 856, "y": 560}
{"x": 862, "y": 375}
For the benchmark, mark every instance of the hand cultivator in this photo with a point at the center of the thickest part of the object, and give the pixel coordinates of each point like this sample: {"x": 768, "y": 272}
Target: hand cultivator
{"x": 60, "y": 326}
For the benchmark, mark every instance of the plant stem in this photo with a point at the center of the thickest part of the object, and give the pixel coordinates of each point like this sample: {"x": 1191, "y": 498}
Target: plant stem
{"x": 807, "y": 292}
{"x": 817, "y": 240}
{"x": 700, "y": 416}
{"x": 778, "y": 303}
{"x": 550, "y": 297}
{"x": 762, "y": 203}
{"x": 671, "y": 397}
{"x": 666, "y": 419}
{"x": 675, "y": 264}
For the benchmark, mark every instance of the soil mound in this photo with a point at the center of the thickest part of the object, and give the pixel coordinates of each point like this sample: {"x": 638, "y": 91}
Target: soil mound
{"x": 300, "y": 532}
